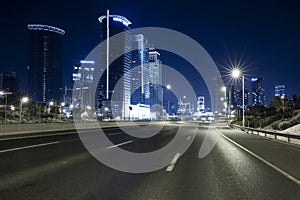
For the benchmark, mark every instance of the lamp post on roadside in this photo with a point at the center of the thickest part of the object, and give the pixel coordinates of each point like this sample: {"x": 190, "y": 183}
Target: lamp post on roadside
{"x": 61, "y": 110}
{"x": 236, "y": 73}
{"x": 168, "y": 88}
{"x": 23, "y": 100}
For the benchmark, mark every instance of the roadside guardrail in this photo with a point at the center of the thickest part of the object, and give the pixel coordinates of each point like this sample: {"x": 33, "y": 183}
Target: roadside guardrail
{"x": 266, "y": 133}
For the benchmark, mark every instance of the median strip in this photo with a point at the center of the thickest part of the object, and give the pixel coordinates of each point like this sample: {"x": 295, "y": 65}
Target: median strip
{"x": 28, "y": 147}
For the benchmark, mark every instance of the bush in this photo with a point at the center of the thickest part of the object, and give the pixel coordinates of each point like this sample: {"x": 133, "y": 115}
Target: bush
{"x": 275, "y": 125}
{"x": 284, "y": 125}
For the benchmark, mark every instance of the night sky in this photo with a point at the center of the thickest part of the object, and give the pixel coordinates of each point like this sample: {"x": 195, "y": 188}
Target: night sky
{"x": 267, "y": 34}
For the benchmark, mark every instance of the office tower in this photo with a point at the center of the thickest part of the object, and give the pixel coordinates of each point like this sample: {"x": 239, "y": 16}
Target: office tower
{"x": 258, "y": 92}
{"x": 155, "y": 79}
{"x": 83, "y": 74}
{"x": 238, "y": 101}
{"x": 280, "y": 90}
{"x": 201, "y": 104}
{"x": 9, "y": 82}
{"x": 217, "y": 100}
{"x": 140, "y": 73}
{"x": 117, "y": 69}
{"x": 45, "y": 62}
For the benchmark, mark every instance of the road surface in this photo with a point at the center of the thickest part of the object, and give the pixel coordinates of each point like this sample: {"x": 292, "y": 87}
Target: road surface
{"x": 58, "y": 166}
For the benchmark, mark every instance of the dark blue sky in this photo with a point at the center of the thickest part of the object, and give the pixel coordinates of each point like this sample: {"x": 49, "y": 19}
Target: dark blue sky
{"x": 268, "y": 32}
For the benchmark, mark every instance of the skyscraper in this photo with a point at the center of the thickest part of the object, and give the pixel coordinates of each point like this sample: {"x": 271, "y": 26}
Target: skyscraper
{"x": 217, "y": 102}
{"x": 118, "y": 68}
{"x": 258, "y": 92}
{"x": 155, "y": 79}
{"x": 140, "y": 74}
{"x": 45, "y": 62}
{"x": 84, "y": 77}
{"x": 280, "y": 90}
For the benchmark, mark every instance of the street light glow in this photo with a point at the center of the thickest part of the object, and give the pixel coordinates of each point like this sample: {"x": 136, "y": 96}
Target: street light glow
{"x": 169, "y": 87}
{"x": 51, "y": 103}
{"x": 236, "y": 73}
{"x": 25, "y": 99}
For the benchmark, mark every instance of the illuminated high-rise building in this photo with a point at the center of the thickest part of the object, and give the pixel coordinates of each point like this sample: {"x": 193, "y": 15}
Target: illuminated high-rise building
{"x": 140, "y": 70}
{"x": 258, "y": 92}
{"x": 280, "y": 90}
{"x": 117, "y": 69}
{"x": 45, "y": 62}
{"x": 84, "y": 77}
{"x": 155, "y": 79}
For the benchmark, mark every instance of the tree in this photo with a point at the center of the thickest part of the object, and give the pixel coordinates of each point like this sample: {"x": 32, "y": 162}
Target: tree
{"x": 283, "y": 106}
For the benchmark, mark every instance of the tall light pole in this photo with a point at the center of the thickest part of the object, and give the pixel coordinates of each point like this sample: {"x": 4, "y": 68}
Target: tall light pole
{"x": 23, "y": 100}
{"x": 61, "y": 109}
{"x": 168, "y": 88}
{"x": 236, "y": 73}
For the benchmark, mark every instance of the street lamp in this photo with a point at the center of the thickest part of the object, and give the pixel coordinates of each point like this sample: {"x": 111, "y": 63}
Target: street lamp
{"x": 23, "y": 100}
{"x": 62, "y": 104}
{"x": 169, "y": 87}
{"x": 236, "y": 73}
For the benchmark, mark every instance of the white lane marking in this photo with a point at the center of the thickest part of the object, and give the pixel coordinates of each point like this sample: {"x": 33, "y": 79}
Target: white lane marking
{"x": 295, "y": 180}
{"x": 117, "y": 145}
{"x": 188, "y": 138}
{"x": 28, "y": 147}
{"x": 117, "y": 133}
{"x": 173, "y": 162}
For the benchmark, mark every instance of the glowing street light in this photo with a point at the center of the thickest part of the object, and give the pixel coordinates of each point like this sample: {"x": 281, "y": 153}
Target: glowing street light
{"x": 169, "y": 87}
{"x": 236, "y": 73}
{"x": 23, "y": 100}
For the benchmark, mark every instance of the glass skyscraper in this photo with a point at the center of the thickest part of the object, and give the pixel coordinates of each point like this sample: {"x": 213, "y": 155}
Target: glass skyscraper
{"x": 156, "y": 89}
{"x": 140, "y": 74}
{"x": 280, "y": 90}
{"x": 45, "y": 63}
{"x": 117, "y": 69}
{"x": 258, "y": 92}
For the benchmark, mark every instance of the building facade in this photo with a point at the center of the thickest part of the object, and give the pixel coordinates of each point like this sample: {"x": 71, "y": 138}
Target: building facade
{"x": 280, "y": 90}
{"x": 45, "y": 63}
{"x": 118, "y": 69}
{"x": 155, "y": 79}
{"x": 83, "y": 74}
{"x": 258, "y": 92}
{"x": 140, "y": 74}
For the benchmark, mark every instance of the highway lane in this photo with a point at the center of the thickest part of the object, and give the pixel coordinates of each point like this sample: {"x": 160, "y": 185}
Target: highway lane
{"x": 65, "y": 170}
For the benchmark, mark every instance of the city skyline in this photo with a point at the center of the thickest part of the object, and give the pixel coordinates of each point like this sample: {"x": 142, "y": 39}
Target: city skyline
{"x": 273, "y": 66}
